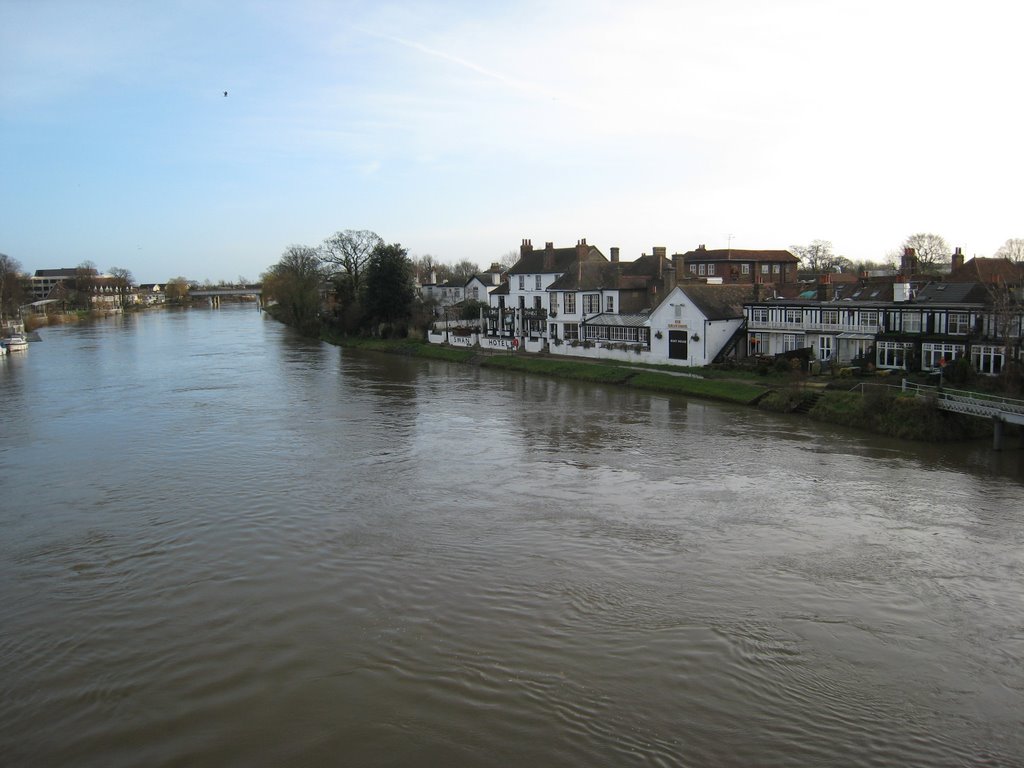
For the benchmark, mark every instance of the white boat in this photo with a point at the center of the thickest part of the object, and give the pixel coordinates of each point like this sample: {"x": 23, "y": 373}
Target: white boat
{"x": 16, "y": 342}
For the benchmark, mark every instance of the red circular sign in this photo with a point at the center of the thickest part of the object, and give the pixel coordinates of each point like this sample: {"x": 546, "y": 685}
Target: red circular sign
{"x": 515, "y": 343}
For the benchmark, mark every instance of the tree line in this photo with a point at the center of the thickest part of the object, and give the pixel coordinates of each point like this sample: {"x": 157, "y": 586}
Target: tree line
{"x": 931, "y": 251}
{"x": 75, "y": 293}
{"x": 371, "y": 284}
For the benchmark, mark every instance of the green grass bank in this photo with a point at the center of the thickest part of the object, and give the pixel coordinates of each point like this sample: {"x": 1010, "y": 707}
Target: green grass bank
{"x": 880, "y": 410}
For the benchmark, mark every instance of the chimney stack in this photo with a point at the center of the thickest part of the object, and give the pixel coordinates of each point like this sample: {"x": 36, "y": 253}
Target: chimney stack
{"x": 615, "y": 254}
{"x": 582, "y": 249}
{"x": 548, "y": 246}
{"x": 659, "y": 258}
{"x": 958, "y": 259}
{"x": 525, "y": 248}
{"x": 908, "y": 264}
{"x": 823, "y": 286}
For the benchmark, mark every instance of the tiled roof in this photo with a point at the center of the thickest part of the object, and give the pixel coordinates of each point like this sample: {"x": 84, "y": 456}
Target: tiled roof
{"x": 953, "y": 293}
{"x": 737, "y": 254}
{"x": 588, "y": 275}
{"x": 551, "y": 260}
{"x": 719, "y": 302}
{"x": 610, "y": 318}
{"x": 594, "y": 275}
{"x": 988, "y": 270}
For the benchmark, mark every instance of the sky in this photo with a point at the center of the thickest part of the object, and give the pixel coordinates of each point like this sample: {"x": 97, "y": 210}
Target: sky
{"x": 460, "y": 128}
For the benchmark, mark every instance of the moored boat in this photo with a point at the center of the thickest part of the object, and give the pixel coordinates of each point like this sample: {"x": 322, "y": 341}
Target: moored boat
{"x": 16, "y": 342}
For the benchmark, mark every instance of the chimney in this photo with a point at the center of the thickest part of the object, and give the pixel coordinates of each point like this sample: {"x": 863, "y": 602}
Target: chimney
{"x": 659, "y": 258}
{"x": 758, "y": 293}
{"x": 433, "y": 277}
{"x": 823, "y": 285}
{"x": 958, "y": 259}
{"x": 615, "y": 255}
{"x": 525, "y": 248}
{"x": 908, "y": 264}
{"x": 548, "y": 246}
{"x": 582, "y": 249}
{"x": 701, "y": 247}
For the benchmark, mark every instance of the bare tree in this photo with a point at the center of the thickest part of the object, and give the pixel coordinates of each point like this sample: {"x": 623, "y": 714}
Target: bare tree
{"x": 508, "y": 260}
{"x": 870, "y": 265}
{"x": 86, "y": 276}
{"x": 931, "y": 250}
{"x": 123, "y": 282}
{"x": 1012, "y": 249}
{"x": 12, "y": 286}
{"x": 461, "y": 271}
{"x": 1003, "y": 324}
{"x": 427, "y": 269}
{"x": 177, "y": 288}
{"x": 819, "y": 257}
{"x": 347, "y": 253}
{"x": 294, "y": 282}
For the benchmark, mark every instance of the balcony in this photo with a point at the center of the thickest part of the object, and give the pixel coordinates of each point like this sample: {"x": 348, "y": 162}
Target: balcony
{"x": 769, "y": 325}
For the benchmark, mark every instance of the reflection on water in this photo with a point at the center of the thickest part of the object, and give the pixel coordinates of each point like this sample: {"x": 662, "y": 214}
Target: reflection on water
{"x": 226, "y": 545}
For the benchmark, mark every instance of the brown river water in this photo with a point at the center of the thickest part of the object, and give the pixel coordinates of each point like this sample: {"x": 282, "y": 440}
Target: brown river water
{"x": 224, "y": 545}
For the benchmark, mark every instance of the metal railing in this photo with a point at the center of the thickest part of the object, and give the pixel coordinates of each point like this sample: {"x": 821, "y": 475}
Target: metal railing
{"x": 970, "y": 403}
{"x": 781, "y": 325}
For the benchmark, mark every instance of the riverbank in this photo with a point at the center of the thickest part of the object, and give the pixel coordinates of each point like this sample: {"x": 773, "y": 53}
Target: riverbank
{"x": 879, "y": 409}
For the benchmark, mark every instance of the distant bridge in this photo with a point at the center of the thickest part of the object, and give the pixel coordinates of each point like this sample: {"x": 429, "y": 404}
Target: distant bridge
{"x": 1002, "y": 410}
{"x": 216, "y": 294}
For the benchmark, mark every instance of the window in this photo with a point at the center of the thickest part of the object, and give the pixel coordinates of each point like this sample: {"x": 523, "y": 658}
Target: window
{"x": 536, "y": 283}
{"x": 958, "y": 322}
{"x": 536, "y": 302}
{"x": 522, "y": 282}
{"x": 988, "y": 359}
{"x": 869, "y": 317}
{"x": 553, "y": 302}
{"x": 830, "y": 317}
{"x": 745, "y": 269}
{"x": 609, "y": 304}
{"x": 775, "y": 268}
{"x": 476, "y": 293}
{"x": 700, "y": 269}
{"x": 693, "y": 268}
{"x": 758, "y": 343}
{"x": 622, "y": 333}
{"x": 571, "y": 331}
{"x": 569, "y": 299}
{"x": 759, "y": 314}
{"x": 824, "y": 347}
{"x": 932, "y": 355}
{"x": 591, "y": 303}
{"x": 892, "y": 354}
{"x": 911, "y": 322}
{"x": 794, "y": 316}
{"x": 678, "y": 312}
{"x": 789, "y": 342}
{"x": 859, "y": 348}
{"x": 764, "y": 269}
{"x": 711, "y": 269}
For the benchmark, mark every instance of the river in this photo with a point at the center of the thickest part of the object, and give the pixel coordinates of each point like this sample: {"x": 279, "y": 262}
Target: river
{"x": 225, "y": 545}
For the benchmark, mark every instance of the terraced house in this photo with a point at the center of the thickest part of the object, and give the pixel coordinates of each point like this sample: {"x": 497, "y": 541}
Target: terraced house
{"x": 895, "y": 327}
